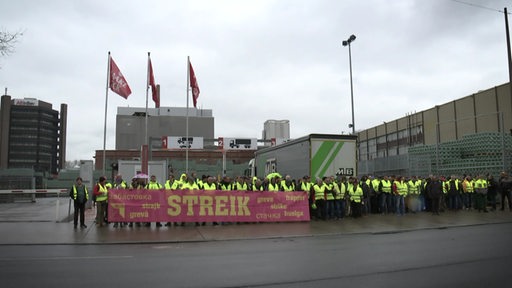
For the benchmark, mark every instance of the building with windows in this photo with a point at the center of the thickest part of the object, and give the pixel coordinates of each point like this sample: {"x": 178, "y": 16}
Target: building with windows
{"x": 163, "y": 121}
{"x": 32, "y": 135}
{"x": 470, "y": 135}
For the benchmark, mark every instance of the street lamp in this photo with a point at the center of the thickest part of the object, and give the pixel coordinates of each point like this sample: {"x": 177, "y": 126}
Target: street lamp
{"x": 347, "y": 43}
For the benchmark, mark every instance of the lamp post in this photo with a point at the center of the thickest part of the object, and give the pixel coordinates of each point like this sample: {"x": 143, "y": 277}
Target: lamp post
{"x": 347, "y": 43}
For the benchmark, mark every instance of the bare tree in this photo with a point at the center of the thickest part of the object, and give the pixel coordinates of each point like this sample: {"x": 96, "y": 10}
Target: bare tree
{"x": 8, "y": 41}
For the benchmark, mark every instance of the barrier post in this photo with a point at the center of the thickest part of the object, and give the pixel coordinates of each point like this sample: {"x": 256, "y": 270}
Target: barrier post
{"x": 57, "y": 208}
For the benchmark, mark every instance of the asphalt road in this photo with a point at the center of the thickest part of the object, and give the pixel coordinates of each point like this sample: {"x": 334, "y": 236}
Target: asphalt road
{"x": 476, "y": 256}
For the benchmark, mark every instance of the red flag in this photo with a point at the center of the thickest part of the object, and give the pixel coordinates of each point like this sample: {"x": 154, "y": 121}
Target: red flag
{"x": 117, "y": 82}
{"x": 193, "y": 84}
{"x": 154, "y": 91}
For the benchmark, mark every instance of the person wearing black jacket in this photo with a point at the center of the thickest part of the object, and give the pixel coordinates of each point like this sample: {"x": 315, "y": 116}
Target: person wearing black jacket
{"x": 434, "y": 190}
{"x": 505, "y": 187}
{"x": 492, "y": 191}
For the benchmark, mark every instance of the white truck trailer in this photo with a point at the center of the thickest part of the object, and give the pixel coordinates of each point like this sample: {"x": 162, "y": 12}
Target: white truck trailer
{"x": 315, "y": 155}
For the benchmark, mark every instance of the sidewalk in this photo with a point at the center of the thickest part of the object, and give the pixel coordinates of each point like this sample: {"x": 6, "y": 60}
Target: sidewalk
{"x": 45, "y": 222}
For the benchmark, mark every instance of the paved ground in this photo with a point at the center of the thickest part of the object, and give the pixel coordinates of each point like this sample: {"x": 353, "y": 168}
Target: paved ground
{"x": 47, "y": 221}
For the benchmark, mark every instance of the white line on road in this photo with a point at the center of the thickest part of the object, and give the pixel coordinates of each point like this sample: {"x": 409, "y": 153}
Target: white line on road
{"x": 67, "y": 258}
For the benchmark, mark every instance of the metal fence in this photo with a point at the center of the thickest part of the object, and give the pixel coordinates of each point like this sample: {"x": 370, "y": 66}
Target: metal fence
{"x": 482, "y": 153}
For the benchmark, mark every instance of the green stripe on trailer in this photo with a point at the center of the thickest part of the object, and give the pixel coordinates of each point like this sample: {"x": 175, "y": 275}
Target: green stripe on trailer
{"x": 324, "y": 156}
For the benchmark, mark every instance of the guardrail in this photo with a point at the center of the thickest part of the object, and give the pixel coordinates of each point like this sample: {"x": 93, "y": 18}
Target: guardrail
{"x": 29, "y": 194}
{"x": 8, "y": 196}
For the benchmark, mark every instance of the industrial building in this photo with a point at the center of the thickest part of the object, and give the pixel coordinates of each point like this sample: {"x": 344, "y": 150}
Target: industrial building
{"x": 275, "y": 132}
{"x": 471, "y": 135}
{"x": 171, "y": 122}
{"x": 163, "y": 121}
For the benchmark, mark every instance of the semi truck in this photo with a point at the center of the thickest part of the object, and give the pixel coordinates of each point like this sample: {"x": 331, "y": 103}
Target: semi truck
{"x": 237, "y": 143}
{"x": 314, "y": 155}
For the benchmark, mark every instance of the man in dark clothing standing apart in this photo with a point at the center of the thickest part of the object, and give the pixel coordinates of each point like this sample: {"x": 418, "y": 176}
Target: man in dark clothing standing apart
{"x": 505, "y": 187}
{"x": 434, "y": 190}
{"x": 80, "y": 196}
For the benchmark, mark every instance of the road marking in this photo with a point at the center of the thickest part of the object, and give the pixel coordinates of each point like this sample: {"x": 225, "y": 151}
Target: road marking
{"x": 67, "y": 258}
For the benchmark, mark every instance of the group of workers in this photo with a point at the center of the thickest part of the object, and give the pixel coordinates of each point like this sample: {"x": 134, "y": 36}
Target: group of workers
{"x": 330, "y": 198}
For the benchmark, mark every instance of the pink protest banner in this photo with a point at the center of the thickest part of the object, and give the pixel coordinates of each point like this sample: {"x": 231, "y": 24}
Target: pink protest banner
{"x": 206, "y": 206}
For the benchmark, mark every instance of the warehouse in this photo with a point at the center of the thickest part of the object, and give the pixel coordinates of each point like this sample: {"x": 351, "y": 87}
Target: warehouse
{"x": 470, "y": 135}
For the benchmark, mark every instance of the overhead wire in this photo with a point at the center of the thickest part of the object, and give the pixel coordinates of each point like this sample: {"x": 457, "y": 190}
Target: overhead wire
{"x": 479, "y": 6}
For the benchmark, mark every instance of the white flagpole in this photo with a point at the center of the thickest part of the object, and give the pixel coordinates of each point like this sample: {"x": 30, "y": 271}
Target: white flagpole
{"x": 105, "y": 122}
{"x": 188, "y": 84}
{"x": 147, "y": 89}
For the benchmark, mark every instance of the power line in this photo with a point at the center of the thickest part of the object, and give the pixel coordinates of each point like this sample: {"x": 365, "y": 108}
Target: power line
{"x": 479, "y": 6}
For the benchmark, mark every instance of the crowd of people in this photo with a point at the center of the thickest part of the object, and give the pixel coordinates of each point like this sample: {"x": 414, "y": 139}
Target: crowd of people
{"x": 330, "y": 198}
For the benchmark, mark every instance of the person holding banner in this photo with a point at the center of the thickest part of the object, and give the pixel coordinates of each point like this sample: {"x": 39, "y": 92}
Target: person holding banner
{"x": 171, "y": 183}
{"x": 209, "y": 185}
{"x": 240, "y": 184}
{"x": 273, "y": 185}
{"x": 190, "y": 185}
{"x": 119, "y": 183}
{"x": 225, "y": 184}
{"x": 153, "y": 185}
{"x": 137, "y": 184}
{"x": 258, "y": 185}
{"x": 287, "y": 184}
{"x": 101, "y": 193}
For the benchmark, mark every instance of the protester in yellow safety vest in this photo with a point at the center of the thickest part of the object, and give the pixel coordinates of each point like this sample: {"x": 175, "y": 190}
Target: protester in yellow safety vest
{"x": 119, "y": 183}
{"x": 413, "y": 200}
{"x": 481, "y": 194}
{"x": 171, "y": 183}
{"x": 101, "y": 193}
{"x": 209, "y": 185}
{"x": 467, "y": 192}
{"x": 225, "y": 184}
{"x": 287, "y": 184}
{"x": 240, "y": 184}
{"x": 273, "y": 185}
{"x": 319, "y": 203}
{"x": 183, "y": 179}
{"x": 356, "y": 197}
{"x": 385, "y": 196}
{"x": 454, "y": 189}
{"x": 257, "y": 185}
{"x": 400, "y": 190}
{"x": 80, "y": 195}
{"x": 340, "y": 189}
{"x": 153, "y": 185}
{"x": 197, "y": 180}
{"x": 329, "y": 198}
{"x": 305, "y": 185}
{"x": 190, "y": 185}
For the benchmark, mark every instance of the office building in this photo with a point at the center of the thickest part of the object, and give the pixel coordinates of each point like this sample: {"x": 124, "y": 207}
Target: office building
{"x": 32, "y": 135}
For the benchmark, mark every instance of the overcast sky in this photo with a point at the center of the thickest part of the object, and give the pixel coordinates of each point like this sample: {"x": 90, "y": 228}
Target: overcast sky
{"x": 254, "y": 60}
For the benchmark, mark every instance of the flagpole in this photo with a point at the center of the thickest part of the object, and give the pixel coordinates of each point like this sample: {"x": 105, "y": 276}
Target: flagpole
{"x": 147, "y": 89}
{"x": 188, "y": 84}
{"x": 105, "y": 122}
